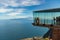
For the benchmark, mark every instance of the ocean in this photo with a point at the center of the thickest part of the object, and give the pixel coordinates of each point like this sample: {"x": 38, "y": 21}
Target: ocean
{"x": 16, "y": 29}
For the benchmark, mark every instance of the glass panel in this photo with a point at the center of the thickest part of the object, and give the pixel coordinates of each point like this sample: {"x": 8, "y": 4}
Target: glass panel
{"x": 41, "y": 16}
{"x": 57, "y": 15}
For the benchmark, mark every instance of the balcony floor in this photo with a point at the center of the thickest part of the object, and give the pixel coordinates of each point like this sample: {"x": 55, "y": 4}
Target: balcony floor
{"x": 47, "y": 25}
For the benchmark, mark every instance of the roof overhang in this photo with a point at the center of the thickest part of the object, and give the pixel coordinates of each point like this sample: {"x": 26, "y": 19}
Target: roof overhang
{"x": 49, "y": 10}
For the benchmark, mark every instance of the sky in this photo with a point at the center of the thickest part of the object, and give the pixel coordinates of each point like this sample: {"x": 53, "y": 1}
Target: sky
{"x": 12, "y": 9}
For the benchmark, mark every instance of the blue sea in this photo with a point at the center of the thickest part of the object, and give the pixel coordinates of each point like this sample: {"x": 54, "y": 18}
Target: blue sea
{"x": 16, "y": 29}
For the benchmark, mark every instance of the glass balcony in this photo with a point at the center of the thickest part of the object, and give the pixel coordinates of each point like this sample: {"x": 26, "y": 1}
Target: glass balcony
{"x": 47, "y": 18}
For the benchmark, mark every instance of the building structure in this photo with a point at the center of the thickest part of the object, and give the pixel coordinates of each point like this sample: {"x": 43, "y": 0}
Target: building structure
{"x": 48, "y": 18}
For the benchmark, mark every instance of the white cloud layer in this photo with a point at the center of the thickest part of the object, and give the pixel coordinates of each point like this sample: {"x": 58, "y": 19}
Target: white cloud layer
{"x": 13, "y": 13}
{"x": 30, "y": 2}
{"x": 2, "y": 10}
{"x": 16, "y": 12}
{"x": 6, "y": 3}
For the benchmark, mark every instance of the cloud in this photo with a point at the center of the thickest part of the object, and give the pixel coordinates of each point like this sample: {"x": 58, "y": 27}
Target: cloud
{"x": 30, "y": 2}
{"x": 12, "y": 14}
{"x": 16, "y": 13}
{"x": 2, "y": 10}
{"x": 16, "y": 3}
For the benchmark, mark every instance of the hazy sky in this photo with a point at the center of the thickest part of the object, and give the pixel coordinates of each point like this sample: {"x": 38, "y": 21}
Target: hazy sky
{"x": 10, "y": 9}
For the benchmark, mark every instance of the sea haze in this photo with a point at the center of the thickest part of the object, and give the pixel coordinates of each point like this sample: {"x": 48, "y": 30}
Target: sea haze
{"x": 15, "y": 29}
